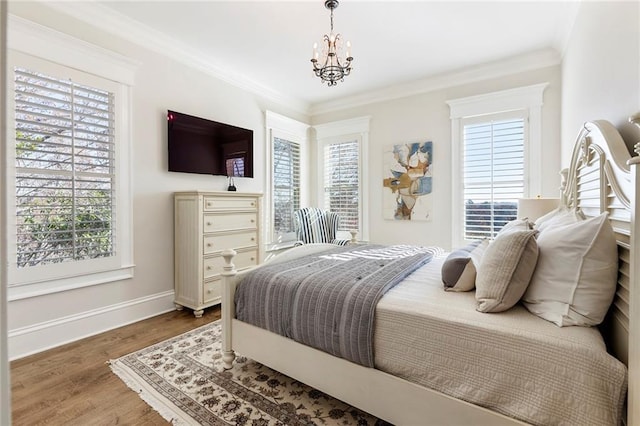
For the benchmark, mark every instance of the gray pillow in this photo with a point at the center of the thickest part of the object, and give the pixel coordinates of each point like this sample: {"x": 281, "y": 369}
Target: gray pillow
{"x": 459, "y": 269}
{"x": 506, "y": 269}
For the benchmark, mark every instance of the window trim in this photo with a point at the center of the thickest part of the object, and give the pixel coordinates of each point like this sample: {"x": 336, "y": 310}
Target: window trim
{"x": 279, "y": 126}
{"x": 26, "y": 37}
{"x": 485, "y": 119}
{"x": 344, "y": 131}
{"x": 528, "y": 99}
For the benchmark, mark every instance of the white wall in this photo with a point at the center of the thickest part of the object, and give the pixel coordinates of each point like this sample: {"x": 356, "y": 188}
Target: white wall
{"x": 601, "y": 70}
{"x": 161, "y": 83}
{"x": 426, "y": 117}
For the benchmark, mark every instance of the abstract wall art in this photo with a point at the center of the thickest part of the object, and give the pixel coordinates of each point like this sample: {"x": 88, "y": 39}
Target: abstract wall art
{"x": 407, "y": 181}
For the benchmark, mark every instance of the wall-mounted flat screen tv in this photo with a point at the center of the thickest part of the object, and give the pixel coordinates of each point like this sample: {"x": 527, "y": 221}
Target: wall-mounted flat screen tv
{"x": 198, "y": 145}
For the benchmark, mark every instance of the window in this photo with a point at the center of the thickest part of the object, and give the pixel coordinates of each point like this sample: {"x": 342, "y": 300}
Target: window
{"x": 69, "y": 198}
{"x": 342, "y": 182}
{"x": 65, "y": 192}
{"x": 288, "y": 189}
{"x": 286, "y": 186}
{"x": 493, "y": 175}
{"x": 496, "y": 149}
{"x": 342, "y": 174}
{"x": 235, "y": 166}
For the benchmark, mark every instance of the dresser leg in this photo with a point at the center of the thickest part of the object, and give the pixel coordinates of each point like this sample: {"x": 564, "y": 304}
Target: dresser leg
{"x": 198, "y": 313}
{"x": 178, "y": 307}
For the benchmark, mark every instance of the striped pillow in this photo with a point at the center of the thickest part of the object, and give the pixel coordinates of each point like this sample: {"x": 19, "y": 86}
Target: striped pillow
{"x": 316, "y": 226}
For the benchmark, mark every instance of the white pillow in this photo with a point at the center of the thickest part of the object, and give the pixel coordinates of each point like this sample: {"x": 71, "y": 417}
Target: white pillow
{"x": 575, "y": 278}
{"x": 558, "y": 217}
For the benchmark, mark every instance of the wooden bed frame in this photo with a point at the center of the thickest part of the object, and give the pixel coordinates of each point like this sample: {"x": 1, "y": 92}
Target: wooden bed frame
{"x": 602, "y": 177}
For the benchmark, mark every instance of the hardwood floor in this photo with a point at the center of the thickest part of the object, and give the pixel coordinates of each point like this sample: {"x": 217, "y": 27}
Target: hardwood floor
{"x": 73, "y": 384}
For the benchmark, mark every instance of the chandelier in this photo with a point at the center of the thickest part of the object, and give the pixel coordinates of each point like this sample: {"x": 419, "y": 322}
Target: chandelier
{"x": 333, "y": 64}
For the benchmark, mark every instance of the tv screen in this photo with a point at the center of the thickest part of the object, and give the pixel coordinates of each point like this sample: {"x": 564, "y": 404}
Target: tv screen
{"x": 198, "y": 145}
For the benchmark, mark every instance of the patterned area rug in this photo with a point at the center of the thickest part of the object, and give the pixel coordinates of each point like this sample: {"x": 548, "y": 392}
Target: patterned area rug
{"x": 182, "y": 378}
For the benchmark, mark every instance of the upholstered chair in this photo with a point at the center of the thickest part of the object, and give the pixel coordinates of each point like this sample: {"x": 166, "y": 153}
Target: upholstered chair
{"x": 314, "y": 225}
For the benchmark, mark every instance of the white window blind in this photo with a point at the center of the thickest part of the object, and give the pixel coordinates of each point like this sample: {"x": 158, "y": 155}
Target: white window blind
{"x": 65, "y": 170}
{"x": 286, "y": 187}
{"x": 341, "y": 182}
{"x": 493, "y": 175}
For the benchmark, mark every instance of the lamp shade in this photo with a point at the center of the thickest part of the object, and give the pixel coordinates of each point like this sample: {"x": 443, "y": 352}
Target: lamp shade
{"x": 533, "y": 208}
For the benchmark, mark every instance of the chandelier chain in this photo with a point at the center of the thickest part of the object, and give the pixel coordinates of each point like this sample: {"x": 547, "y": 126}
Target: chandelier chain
{"x": 332, "y": 20}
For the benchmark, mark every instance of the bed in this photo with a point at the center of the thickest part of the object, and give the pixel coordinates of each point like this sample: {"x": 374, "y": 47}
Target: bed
{"x": 601, "y": 178}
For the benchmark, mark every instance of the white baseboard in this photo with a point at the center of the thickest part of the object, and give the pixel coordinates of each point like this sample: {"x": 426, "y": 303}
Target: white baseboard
{"x": 50, "y": 334}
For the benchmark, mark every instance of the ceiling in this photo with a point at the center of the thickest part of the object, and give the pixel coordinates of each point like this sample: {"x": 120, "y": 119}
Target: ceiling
{"x": 268, "y": 44}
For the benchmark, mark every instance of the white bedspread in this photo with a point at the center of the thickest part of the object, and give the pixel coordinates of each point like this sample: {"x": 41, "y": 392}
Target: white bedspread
{"x": 511, "y": 362}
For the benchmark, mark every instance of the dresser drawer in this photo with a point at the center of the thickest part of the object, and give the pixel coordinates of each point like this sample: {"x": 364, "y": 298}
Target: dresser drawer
{"x": 212, "y": 291}
{"x": 219, "y": 242}
{"x": 229, "y": 203}
{"x": 223, "y": 222}
{"x": 205, "y": 224}
{"x": 213, "y": 265}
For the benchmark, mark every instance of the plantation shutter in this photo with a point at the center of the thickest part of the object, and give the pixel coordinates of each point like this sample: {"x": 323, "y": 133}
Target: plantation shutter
{"x": 286, "y": 187}
{"x": 65, "y": 170}
{"x": 342, "y": 181}
{"x": 493, "y": 175}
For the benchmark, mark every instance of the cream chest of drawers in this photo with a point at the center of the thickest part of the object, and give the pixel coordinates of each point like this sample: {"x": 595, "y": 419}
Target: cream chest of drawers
{"x": 206, "y": 223}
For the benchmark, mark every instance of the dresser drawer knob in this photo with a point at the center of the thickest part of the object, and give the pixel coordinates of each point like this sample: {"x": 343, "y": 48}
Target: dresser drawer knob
{"x": 253, "y": 204}
{"x": 208, "y": 223}
{"x": 253, "y": 258}
{"x": 208, "y": 244}
{"x": 208, "y": 268}
{"x": 209, "y": 291}
{"x": 208, "y": 204}
{"x": 253, "y": 220}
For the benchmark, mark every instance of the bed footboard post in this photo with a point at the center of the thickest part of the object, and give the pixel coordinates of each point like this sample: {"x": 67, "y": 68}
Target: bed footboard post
{"x": 228, "y": 307}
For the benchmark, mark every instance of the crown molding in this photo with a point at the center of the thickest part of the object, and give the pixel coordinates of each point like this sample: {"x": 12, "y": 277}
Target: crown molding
{"x": 120, "y": 25}
{"x": 534, "y": 60}
{"x": 133, "y": 31}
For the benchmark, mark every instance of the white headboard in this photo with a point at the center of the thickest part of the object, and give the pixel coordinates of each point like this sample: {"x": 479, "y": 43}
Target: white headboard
{"x": 602, "y": 177}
